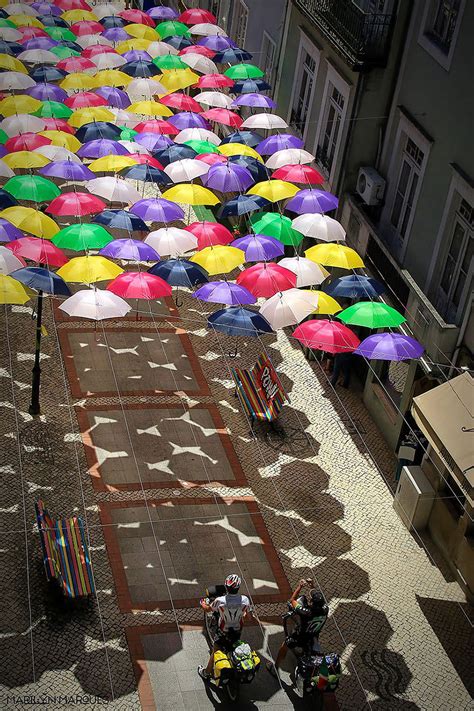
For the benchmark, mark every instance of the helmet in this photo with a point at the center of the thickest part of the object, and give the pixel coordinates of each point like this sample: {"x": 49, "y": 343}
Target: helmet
{"x": 317, "y": 600}
{"x": 232, "y": 583}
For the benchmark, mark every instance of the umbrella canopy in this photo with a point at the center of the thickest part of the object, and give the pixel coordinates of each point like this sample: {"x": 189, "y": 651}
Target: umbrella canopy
{"x": 328, "y": 336}
{"x": 299, "y": 174}
{"x": 312, "y": 200}
{"x": 334, "y": 255}
{"x": 130, "y": 249}
{"x": 157, "y": 210}
{"x": 171, "y": 241}
{"x": 81, "y": 237}
{"x": 180, "y": 101}
{"x": 24, "y": 160}
{"x": 274, "y": 190}
{"x": 180, "y": 272}
{"x": 185, "y": 170}
{"x": 89, "y": 269}
{"x": 320, "y": 227}
{"x": 76, "y": 204}
{"x": 214, "y": 81}
{"x": 327, "y": 305}
{"x": 389, "y": 346}
{"x": 139, "y": 285}
{"x": 38, "y": 250}
{"x": 8, "y": 232}
{"x": 209, "y": 233}
{"x": 113, "y": 189}
{"x": 289, "y": 156}
{"x": 266, "y": 121}
{"x": 248, "y": 138}
{"x": 355, "y": 286}
{"x": 224, "y": 292}
{"x": 279, "y": 142}
{"x": 190, "y": 194}
{"x": 100, "y": 148}
{"x": 228, "y": 177}
{"x": 32, "y": 187}
{"x": 213, "y": 98}
{"x": 244, "y": 71}
{"x": 242, "y": 205}
{"x": 239, "y": 321}
{"x": 289, "y": 307}
{"x": 372, "y": 314}
{"x": 12, "y": 291}
{"x": 95, "y": 304}
{"x": 307, "y": 272}
{"x": 42, "y": 280}
{"x": 120, "y": 220}
{"x": 219, "y": 259}
{"x": 145, "y": 173}
{"x": 276, "y": 225}
{"x": 254, "y": 101}
{"x": 8, "y": 261}
{"x": 31, "y": 221}
{"x": 266, "y": 279}
{"x": 259, "y": 248}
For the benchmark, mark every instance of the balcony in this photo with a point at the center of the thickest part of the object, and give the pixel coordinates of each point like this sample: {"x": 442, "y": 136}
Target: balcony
{"x": 362, "y": 38}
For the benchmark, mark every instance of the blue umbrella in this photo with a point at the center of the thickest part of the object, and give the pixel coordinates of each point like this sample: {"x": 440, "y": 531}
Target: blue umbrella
{"x": 232, "y": 56}
{"x": 120, "y": 220}
{"x": 180, "y": 272}
{"x": 178, "y": 42}
{"x": 42, "y": 280}
{"x": 139, "y": 68}
{"x": 242, "y": 205}
{"x": 146, "y": 173}
{"x": 354, "y": 286}
{"x": 248, "y": 138}
{"x": 250, "y": 86}
{"x": 52, "y": 21}
{"x": 176, "y": 152}
{"x": 256, "y": 169}
{"x": 98, "y": 129}
{"x": 7, "y": 200}
{"x": 112, "y": 21}
{"x": 239, "y": 321}
{"x": 43, "y": 73}
{"x": 12, "y": 48}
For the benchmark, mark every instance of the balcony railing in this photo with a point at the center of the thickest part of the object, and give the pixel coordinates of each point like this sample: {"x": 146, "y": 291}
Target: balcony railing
{"x": 363, "y": 38}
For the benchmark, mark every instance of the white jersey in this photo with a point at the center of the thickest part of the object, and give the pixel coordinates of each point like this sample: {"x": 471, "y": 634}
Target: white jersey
{"x": 231, "y": 610}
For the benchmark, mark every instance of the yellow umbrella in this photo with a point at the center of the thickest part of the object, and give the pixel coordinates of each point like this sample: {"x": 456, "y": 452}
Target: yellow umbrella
{"x": 142, "y": 32}
{"x": 89, "y": 269}
{"x": 25, "y": 159}
{"x": 175, "y": 79}
{"x": 89, "y": 114}
{"x": 334, "y": 255}
{"x": 129, "y": 45}
{"x": 190, "y": 194}
{"x": 32, "y": 221}
{"x": 238, "y": 149}
{"x": 71, "y": 16}
{"x": 326, "y": 304}
{"x": 274, "y": 190}
{"x": 111, "y": 164}
{"x": 11, "y": 64}
{"x": 149, "y": 108}
{"x": 78, "y": 80}
{"x": 111, "y": 77}
{"x": 19, "y": 104}
{"x": 60, "y": 138}
{"x": 13, "y": 291}
{"x": 25, "y": 21}
{"x": 219, "y": 259}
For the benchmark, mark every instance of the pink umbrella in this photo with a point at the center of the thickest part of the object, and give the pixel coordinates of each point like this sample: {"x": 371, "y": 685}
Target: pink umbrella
{"x": 139, "y": 285}
{"x": 76, "y": 204}
{"x": 195, "y": 16}
{"x": 214, "y": 81}
{"x": 157, "y": 126}
{"x": 180, "y": 101}
{"x": 137, "y": 16}
{"x": 299, "y": 174}
{"x": 86, "y": 27}
{"x": 84, "y": 99}
{"x": 38, "y": 250}
{"x": 26, "y": 142}
{"x": 325, "y": 335}
{"x": 76, "y": 64}
{"x": 197, "y": 49}
{"x": 210, "y": 233}
{"x": 90, "y": 52}
{"x": 228, "y": 118}
{"x": 211, "y": 158}
{"x": 55, "y": 124}
{"x": 72, "y": 5}
{"x": 266, "y": 279}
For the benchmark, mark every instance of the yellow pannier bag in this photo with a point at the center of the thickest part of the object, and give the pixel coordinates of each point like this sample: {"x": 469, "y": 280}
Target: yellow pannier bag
{"x": 221, "y": 661}
{"x": 256, "y": 660}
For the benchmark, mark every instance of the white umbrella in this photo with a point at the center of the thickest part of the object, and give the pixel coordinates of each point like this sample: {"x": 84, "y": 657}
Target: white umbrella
{"x": 91, "y": 40}
{"x": 264, "y": 121}
{"x": 108, "y": 60}
{"x": 159, "y": 49}
{"x": 5, "y": 170}
{"x": 289, "y": 307}
{"x": 320, "y": 227}
{"x": 289, "y": 156}
{"x": 8, "y": 261}
{"x": 205, "y": 29}
{"x": 133, "y": 147}
{"x": 306, "y": 274}
{"x": 15, "y": 80}
{"x": 186, "y": 170}
{"x": 22, "y": 123}
{"x": 95, "y": 304}
{"x": 106, "y": 9}
{"x": 57, "y": 153}
{"x": 123, "y": 117}
{"x": 37, "y": 56}
{"x": 9, "y": 34}
{"x": 21, "y": 8}
{"x": 197, "y": 134}
{"x": 199, "y": 63}
{"x": 144, "y": 88}
{"x": 214, "y": 98}
{"x": 113, "y": 189}
{"x": 171, "y": 241}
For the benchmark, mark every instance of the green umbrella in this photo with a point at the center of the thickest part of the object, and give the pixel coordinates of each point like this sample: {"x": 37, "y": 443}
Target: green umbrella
{"x": 3, "y": 137}
{"x": 53, "y": 109}
{"x": 6, "y": 23}
{"x": 171, "y": 28}
{"x": 169, "y": 61}
{"x": 64, "y": 52}
{"x": 82, "y": 237}
{"x": 60, "y": 33}
{"x": 32, "y": 187}
{"x": 128, "y": 134}
{"x": 244, "y": 71}
{"x": 201, "y": 146}
{"x": 372, "y": 314}
{"x": 275, "y": 225}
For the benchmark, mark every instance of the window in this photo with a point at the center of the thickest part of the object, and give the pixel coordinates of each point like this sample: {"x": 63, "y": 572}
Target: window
{"x": 459, "y": 263}
{"x": 239, "y": 26}
{"x": 302, "y": 99}
{"x": 439, "y": 29}
{"x": 268, "y": 57}
{"x": 405, "y": 193}
{"x": 331, "y": 128}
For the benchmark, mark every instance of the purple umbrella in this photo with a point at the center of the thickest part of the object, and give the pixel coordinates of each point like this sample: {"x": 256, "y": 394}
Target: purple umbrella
{"x": 228, "y": 178}
{"x": 116, "y": 34}
{"x": 40, "y": 43}
{"x": 131, "y": 249}
{"x": 9, "y": 232}
{"x": 224, "y": 292}
{"x": 68, "y": 170}
{"x": 157, "y": 210}
{"x": 3, "y": 151}
{"x": 188, "y": 119}
{"x": 153, "y": 141}
{"x": 162, "y": 13}
{"x": 259, "y": 248}
{"x": 279, "y": 142}
{"x": 47, "y": 92}
{"x": 115, "y": 97}
{"x": 217, "y": 43}
{"x": 45, "y": 8}
{"x": 101, "y": 147}
{"x": 255, "y": 101}
{"x": 389, "y": 346}
{"x": 312, "y": 201}
{"x": 135, "y": 54}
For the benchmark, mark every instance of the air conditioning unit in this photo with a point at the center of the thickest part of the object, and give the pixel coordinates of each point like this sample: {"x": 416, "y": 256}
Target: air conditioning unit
{"x": 370, "y": 186}
{"x": 413, "y": 498}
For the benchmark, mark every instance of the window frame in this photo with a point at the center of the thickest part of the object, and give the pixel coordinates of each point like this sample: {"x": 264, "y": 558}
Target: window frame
{"x": 467, "y": 239}
{"x": 239, "y": 6}
{"x": 428, "y": 43}
{"x": 307, "y": 46}
{"x": 271, "y": 42}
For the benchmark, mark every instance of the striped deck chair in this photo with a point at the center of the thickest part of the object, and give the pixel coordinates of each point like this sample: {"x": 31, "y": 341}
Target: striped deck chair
{"x": 65, "y": 553}
{"x": 259, "y": 390}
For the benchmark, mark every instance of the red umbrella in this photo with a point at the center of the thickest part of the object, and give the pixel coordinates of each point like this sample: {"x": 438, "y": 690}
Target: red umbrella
{"x": 28, "y": 33}
{"x": 181, "y": 101}
{"x": 324, "y": 335}
{"x": 76, "y": 64}
{"x": 299, "y": 174}
{"x": 211, "y": 158}
{"x": 198, "y": 49}
{"x": 214, "y": 81}
{"x": 143, "y": 158}
{"x": 266, "y": 279}
{"x": 86, "y": 27}
{"x": 38, "y": 250}
{"x": 157, "y": 126}
{"x": 26, "y": 142}
{"x": 137, "y": 16}
{"x": 76, "y": 204}
{"x": 210, "y": 233}
{"x": 55, "y": 124}
{"x": 90, "y": 52}
{"x": 139, "y": 285}
{"x": 228, "y": 118}
{"x": 84, "y": 99}
{"x": 195, "y": 16}
{"x": 72, "y": 5}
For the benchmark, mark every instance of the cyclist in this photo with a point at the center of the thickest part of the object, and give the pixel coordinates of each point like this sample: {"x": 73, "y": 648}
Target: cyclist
{"x": 231, "y": 609}
{"x": 311, "y": 615}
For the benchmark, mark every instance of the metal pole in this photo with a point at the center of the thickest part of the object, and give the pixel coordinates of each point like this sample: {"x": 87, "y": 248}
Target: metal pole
{"x": 34, "y": 408}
